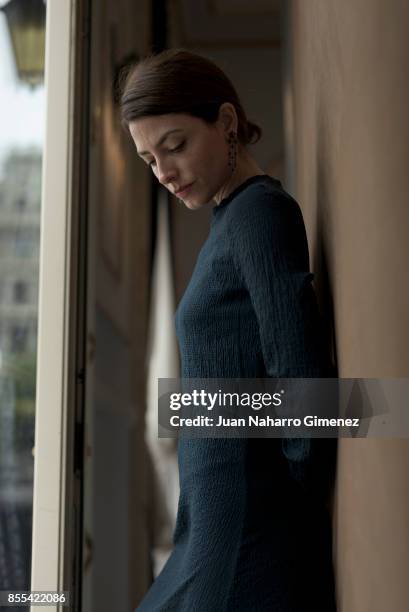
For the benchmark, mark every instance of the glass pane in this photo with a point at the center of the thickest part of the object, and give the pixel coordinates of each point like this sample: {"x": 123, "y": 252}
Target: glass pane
{"x": 21, "y": 140}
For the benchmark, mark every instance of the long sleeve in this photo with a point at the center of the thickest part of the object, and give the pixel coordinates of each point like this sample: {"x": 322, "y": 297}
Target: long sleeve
{"x": 269, "y": 248}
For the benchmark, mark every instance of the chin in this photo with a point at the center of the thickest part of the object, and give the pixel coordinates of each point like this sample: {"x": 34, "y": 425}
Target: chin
{"x": 195, "y": 202}
{"x": 192, "y": 205}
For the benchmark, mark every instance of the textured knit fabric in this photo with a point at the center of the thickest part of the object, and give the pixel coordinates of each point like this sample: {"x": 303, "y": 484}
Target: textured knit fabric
{"x": 252, "y": 531}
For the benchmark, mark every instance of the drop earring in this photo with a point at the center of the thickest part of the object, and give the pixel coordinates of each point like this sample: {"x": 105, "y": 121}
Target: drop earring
{"x": 232, "y": 140}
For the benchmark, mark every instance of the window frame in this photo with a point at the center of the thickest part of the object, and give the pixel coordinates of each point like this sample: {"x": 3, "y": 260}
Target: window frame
{"x": 60, "y": 388}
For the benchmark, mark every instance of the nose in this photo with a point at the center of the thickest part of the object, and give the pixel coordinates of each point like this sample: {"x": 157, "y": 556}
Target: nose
{"x": 165, "y": 173}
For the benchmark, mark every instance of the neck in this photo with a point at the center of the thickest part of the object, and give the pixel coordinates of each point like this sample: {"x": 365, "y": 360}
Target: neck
{"x": 246, "y": 167}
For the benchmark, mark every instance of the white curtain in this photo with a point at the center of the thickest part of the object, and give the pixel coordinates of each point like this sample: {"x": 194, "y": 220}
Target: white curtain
{"x": 163, "y": 362}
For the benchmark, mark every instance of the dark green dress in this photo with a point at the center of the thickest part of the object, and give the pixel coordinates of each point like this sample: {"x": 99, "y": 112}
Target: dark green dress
{"x": 253, "y": 531}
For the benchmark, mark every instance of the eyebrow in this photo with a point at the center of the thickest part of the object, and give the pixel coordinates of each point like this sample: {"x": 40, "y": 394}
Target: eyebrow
{"x": 161, "y": 140}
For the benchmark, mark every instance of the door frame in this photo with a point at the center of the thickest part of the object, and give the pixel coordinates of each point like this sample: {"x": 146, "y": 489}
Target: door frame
{"x": 59, "y": 417}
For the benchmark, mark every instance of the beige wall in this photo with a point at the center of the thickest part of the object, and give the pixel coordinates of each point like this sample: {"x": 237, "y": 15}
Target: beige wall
{"x": 347, "y": 129}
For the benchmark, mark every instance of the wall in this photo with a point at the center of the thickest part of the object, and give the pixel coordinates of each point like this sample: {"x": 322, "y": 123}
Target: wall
{"x": 347, "y": 131}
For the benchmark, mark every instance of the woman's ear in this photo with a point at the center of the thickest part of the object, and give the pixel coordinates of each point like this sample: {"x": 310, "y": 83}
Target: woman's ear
{"x": 228, "y": 117}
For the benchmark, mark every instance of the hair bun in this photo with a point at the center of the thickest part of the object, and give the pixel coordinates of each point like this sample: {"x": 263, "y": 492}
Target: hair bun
{"x": 254, "y": 132}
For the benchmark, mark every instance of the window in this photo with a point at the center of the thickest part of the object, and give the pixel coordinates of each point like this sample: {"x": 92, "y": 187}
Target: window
{"x": 25, "y": 244}
{"x": 21, "y": 141}
{"x": 20, "y": 292}
{"x": 21, "y": 203}
{"x": 19, "y": 337}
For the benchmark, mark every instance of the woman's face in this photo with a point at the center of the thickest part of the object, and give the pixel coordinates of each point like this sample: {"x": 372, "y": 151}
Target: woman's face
{"x": 185, "y": 153}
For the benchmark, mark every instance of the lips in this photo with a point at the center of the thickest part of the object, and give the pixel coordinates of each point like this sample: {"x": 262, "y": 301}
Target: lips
{"x": 182, "y": 190}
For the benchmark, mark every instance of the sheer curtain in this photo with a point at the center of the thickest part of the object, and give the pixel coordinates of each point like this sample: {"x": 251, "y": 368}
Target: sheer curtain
{"x": 163, "y": 362}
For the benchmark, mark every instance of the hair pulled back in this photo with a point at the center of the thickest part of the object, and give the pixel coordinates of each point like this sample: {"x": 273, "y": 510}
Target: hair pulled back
{"x": 179, "y": 81}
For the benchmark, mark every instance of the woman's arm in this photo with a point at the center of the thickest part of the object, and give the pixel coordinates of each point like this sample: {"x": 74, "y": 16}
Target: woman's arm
{"x": 270, "y": 251}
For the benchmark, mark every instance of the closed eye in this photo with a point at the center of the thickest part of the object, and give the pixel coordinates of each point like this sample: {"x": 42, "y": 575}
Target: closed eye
{"x": 178, "y": 148}
{"x": 175, "y": 150}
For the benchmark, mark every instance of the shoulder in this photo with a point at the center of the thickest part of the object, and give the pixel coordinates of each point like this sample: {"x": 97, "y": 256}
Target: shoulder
{"x": 264, "y": 207}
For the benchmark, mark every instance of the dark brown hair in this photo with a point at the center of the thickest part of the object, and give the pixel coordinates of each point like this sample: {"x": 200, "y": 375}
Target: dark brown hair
{"x": 179, "y": 81}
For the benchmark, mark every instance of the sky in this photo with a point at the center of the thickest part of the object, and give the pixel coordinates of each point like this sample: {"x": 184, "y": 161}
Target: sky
{"x": 21, "y": 109}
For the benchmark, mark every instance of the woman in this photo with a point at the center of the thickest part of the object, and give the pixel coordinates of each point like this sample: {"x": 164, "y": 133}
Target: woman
{"x": 252, "y": 531}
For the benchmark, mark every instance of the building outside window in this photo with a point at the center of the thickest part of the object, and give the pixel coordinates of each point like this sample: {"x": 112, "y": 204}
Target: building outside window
{"x": 20, "y": 292}
{"x": 21, "y": 145}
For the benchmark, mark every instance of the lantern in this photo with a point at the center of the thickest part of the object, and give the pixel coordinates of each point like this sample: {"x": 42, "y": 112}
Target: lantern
{"x": 26, "y": 23}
